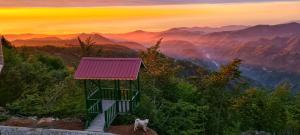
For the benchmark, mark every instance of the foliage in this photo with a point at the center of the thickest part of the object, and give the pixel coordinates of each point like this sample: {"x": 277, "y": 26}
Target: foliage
{"x": 6, "y": 43}
{"x": 208, "y": 102}
{"x": 260, "y": 111}
{"x": 39, "y": 84}
{"x": 3, "y": 118}
{"x": 181, "y": 118}
{"x": 216, "y": 95}
{"x": 158, "y": 65}
{"x": 86, "y": 46}
{"x": 178, "y": 97}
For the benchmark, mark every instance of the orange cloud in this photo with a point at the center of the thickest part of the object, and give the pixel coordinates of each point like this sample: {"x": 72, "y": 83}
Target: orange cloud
{"x": 116, "y": 19}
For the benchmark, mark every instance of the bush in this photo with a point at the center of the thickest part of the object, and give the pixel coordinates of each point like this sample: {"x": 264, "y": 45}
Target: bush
{"x": 3, "y": 118}
{"x": 40, "y": 85}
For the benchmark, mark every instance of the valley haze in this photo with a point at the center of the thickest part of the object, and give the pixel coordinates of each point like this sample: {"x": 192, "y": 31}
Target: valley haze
{"x": 276, "y": 47}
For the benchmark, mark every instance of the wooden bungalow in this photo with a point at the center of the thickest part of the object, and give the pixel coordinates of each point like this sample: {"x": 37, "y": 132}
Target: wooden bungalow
{"x": 112, "y": 87}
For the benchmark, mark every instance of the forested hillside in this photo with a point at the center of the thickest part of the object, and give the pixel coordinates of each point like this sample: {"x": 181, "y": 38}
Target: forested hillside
{"x": 179, "y": 97}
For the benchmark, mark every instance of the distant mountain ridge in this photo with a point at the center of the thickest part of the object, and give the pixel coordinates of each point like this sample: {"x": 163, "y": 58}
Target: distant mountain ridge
{"x": 180, "y": 33}
{"x": 71, "y": 40}
{"x": 270, "y": 53}
{"x": 207, "y": 30}
{"x": 264, "y": 31}
{"x": 266, "y": 42}
{"x": 267, "y": 51}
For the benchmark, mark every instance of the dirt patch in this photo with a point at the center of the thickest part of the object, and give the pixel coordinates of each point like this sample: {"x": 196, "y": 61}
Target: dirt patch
{"x": 128, "y": 130}
{"x": 19, "y": 122}
{"x": 69, "y": 124}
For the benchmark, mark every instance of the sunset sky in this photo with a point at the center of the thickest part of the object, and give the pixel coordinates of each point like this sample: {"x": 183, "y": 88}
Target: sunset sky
{"x": 117, "y": 16}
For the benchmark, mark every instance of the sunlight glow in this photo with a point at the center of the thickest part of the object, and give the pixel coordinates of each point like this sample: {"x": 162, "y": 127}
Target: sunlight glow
{"x": 116, "y": 19}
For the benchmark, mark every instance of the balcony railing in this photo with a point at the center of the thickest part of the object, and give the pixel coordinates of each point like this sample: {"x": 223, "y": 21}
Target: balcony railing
{"x": 93, "y": 110}
{"x": 119, "y": 107}
{"x": 112, "y": 94}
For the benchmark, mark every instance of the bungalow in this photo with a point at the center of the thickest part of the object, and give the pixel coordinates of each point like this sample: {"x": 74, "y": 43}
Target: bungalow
{"x": 112, "y": 88}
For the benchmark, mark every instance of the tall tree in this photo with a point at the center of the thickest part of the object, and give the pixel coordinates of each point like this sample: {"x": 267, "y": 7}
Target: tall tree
{"x": 6, "y": 43}
{"x": 261, "y": 111}
{"x": 160, "y": 70}
{"x": 86, "y": 46}
{"x": 214, "y": 93}
{"x": 158, "y": 65}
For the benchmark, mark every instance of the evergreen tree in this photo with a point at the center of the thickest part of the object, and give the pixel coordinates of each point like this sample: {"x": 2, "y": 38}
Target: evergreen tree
{"x": 6, "y": 43}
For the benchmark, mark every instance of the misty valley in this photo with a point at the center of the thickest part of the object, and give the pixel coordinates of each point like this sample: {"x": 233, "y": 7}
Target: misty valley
{"x": 269, "y": 53}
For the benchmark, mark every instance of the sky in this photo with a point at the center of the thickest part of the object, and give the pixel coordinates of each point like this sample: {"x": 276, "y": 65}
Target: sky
{"x": 89, "y": 3}
{"x": 118, "y": 16}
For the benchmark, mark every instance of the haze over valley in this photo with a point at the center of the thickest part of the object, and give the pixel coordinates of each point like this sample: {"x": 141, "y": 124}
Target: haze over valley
{"x": 270, "y": 53}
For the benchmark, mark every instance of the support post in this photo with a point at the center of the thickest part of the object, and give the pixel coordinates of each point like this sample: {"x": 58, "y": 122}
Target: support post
{"x": 130, "y": 90}
{"x": 99, "y": 95}
{"x": 100, "y": 89}
{"x": 131, "y": 95}
{"x": 86, "y": 103}
{"x": 116, "y": 90}
{"x": 116, "y": 95}
{"x": 119, "y": 90}
{"x": 139, "y": 88}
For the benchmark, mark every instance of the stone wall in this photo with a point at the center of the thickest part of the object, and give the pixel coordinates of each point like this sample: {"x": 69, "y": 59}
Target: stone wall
{"x": 9, "y": 130}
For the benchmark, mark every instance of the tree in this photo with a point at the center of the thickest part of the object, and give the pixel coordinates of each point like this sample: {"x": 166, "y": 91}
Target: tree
{"x": 6, "y": 43}
{"x": 213, "y": 92}
{"x": 226, "y": 74}
{"x": 181, "y": 118}
{"x": 294, "y": 113}
{"x": 260, "y": 111}
{"x": 86, "y": 46}
{"x": 283, "y": 92}
{"x": 40, "y": 85}
{"x": 160, "y": 70}
{"x": 158, "y": 65}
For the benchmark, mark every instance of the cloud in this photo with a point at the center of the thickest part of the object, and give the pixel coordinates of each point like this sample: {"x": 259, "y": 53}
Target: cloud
{"x": 93, "y": 3}
{"x": 115, "y": 19}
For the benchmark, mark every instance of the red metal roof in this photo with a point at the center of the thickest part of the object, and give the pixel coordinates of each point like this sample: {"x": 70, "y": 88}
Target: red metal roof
{"x": 108, "y": 68}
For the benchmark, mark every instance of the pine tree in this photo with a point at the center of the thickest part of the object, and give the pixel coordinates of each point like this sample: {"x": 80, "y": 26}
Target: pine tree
{"x": 6, "y": 43}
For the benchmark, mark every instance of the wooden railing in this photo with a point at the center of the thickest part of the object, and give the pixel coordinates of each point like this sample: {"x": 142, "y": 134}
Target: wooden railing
{"x": 110, "y": 114}
{"x": 120, "y": 107}
{"x": 125, "y": 94}
{"x": 112, "y": 94}
{"x": 93, "y": 111}
{"x": 134, "y": 101}
{"x": 108, "y": 93}
{"x": 123, "y": 105}
{"x": 96, "y": 107}
{"x": 125, "y": 100}
{"x": 290, "y": 131}
{"x": 128, "y": 104}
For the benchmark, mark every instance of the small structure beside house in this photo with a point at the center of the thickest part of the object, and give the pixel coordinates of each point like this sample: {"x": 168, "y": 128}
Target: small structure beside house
{"x": 112, "y": 87}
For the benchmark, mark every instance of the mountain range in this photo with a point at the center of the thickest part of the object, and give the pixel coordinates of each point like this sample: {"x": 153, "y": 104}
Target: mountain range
{"x": 264, "y": 49}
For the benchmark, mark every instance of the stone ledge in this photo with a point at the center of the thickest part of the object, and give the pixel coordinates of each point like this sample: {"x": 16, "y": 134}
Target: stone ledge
{"x": 10, "y": 130}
